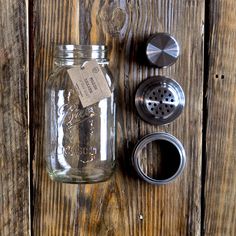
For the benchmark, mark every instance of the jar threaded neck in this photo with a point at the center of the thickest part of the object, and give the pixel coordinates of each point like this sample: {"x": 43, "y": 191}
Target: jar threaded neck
{"x": 71, "y": 51}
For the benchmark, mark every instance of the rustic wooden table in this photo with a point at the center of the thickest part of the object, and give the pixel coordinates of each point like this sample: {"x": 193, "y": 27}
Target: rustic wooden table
{"x": 202, "y": 200}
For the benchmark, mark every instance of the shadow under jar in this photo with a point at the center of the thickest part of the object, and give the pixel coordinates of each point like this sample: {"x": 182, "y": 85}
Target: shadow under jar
{"x": 79, "y": 142}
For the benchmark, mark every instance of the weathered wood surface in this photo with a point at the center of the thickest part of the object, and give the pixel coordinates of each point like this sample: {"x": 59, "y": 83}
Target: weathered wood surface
{"x": 220, "y": 180}
{"x": 124, "y": 205}
{"x": 14, "y": 185}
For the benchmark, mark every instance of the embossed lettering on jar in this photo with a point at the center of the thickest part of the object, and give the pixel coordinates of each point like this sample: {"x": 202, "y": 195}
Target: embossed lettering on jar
{"x": 79, "y": 140}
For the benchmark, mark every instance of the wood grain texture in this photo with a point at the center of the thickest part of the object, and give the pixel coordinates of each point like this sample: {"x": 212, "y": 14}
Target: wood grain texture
{"x": 124, "y": 205}
{"x": 14, "y": 184}
{"x": 220, "y": 181}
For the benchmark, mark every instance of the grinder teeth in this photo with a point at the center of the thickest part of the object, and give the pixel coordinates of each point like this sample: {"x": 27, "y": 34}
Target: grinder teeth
{"x": 160, "y": 102}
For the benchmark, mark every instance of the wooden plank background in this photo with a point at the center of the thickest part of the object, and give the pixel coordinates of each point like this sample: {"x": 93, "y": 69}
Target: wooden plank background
{"x": 201, "y": 201}
{"x": 124, "y": 205}
{"x": 14, "y": 184}
{"x": 220, "y": 179}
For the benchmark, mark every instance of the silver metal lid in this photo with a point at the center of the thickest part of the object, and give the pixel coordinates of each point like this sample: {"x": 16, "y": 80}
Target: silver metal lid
{"x": 159, "y": 100}
{"x": 69, "y": 51}
{"x": 165, "y": 165}
{"x": 162, "y": 50}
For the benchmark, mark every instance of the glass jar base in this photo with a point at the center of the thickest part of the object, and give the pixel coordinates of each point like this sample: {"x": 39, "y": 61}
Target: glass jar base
{"x": 79, "y": 178}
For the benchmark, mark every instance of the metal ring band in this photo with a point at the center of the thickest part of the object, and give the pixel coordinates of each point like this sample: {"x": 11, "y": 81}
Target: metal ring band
{"x": 154, "y": 137}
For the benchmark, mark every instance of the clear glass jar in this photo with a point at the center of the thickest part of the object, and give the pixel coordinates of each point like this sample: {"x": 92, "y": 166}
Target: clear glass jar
{"x": 79, "y": 142}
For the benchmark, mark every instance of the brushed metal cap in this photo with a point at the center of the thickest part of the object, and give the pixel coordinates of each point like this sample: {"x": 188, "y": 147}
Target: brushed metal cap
{"x": 162, "y": 50}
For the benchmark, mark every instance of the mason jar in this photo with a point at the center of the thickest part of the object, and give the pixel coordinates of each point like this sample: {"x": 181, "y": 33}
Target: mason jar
{"x": 80, "y": 136}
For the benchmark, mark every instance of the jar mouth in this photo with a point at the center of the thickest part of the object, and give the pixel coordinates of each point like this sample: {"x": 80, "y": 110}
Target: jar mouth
{"x": 73, "y": 51}
{"x": 72, "y": 47}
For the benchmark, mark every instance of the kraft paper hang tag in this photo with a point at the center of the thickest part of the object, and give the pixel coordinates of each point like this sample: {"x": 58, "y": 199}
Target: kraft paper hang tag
{"x": 90, "y": 83}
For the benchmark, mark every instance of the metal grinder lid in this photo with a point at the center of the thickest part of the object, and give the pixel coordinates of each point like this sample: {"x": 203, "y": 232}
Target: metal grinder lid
{"x": 159, "y": 100}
